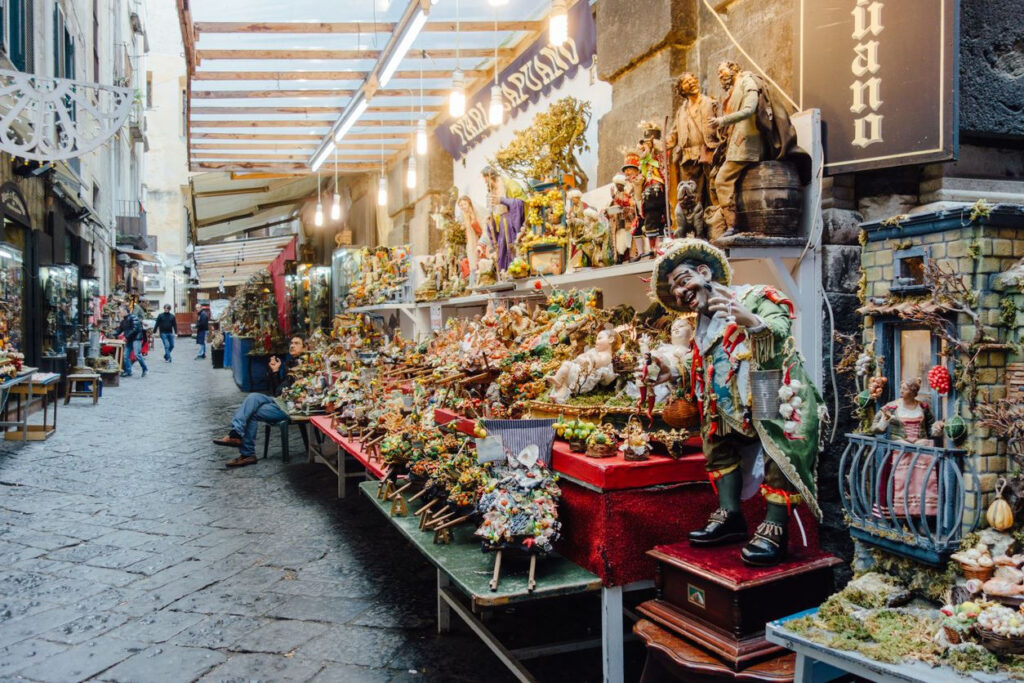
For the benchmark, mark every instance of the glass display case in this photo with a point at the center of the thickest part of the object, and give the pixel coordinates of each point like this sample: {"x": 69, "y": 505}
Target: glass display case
{"x": 346, "y": 271}
{"x": 309, "y": 294}
{"x": 11, "y": 295}
{"x": 89, "y": 305}
{"x": 61, "y": 296}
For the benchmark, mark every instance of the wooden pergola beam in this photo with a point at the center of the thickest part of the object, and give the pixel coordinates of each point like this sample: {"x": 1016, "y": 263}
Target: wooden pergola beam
{"x": 216, "y": 156}
{"x": 356, "y": 27}
{"x": 321, "y": 75}
{"x": 294, "y": 169}
{"x": 306, "y": 137}
{"x": 299, "y": 55}
{"x": 207, "y": 111}
{"x": 291, "y": 123}
{"x": 306, "y": 92}
{"x": 232, "y": 192}
{"x": 204, "y": 146}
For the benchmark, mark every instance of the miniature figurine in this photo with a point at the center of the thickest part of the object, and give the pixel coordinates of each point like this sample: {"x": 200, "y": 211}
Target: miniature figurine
{"x": 636, "y": 443}
{"x": 693, "y": 140}
{"x": 907, "y": 419}
{"x": 586, "y": 372}
{"x": 506, "y": 213}
{"x": 471, "y": 224}
{"x": 634, "y": 187}
{"x": 741, "y": 331}
{"x": 739, "y": 125}
{"x": 621, "y": 214}
{"x": 652, "y": 165}
{"x": 689, "y": 213}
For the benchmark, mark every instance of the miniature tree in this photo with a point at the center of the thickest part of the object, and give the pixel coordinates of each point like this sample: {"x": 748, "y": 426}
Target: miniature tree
{"x": 550, "y": 145}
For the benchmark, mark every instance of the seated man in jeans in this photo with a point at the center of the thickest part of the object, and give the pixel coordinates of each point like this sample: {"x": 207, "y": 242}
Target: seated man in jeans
{"x": 258, "y": 408}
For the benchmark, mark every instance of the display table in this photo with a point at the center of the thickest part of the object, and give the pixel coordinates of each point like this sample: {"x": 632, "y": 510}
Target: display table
{"x": 23, "y": 378}
{"x": 41, "y": 387}
{"x": 462, "y": 568}
{"x": 115, "y": 347}
{"x": 340, "y": 454}
{"x": 816, "y": 663}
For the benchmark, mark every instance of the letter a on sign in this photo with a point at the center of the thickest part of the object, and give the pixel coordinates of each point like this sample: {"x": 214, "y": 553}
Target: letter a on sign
{"x": 867, "y": 19}
{"x": 866, "y": 61}
{"x": 867, "y": 130}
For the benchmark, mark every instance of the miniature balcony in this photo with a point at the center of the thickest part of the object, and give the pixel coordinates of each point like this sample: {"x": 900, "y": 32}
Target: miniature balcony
{"x": 907, "y": 499}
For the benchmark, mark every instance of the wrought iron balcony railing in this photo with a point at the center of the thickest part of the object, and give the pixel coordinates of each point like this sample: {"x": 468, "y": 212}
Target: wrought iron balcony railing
{"x": 906, "y": 498}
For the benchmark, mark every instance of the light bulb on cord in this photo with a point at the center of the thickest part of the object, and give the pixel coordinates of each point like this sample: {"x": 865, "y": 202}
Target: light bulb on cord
{"x": 410, "y": 173}
{"x": 497, "y": 3}
{"x": 318, "y": 217}
{"x": 496, "y": 112}
{"x": 336, "y": 207}
{"x": 457, "y": 97}
{"x": 382, "y": 191}
{"x": 383, "y": 5}
{"x": 558, "y": 23}
{"x": 421, "y": 137}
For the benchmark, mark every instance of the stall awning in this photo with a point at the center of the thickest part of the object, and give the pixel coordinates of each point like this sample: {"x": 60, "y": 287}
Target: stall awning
{"x": 137, "y": 255}
{"x": 236, "y": 260}
{"x": 224, "y": 206}
{"x": 268, "y": 80}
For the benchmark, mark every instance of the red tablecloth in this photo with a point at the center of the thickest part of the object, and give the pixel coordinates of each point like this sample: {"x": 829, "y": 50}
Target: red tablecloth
{"x": 351, "y": 446}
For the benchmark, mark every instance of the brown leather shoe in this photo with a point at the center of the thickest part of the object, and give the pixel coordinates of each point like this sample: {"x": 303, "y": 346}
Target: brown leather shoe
{"x": 229, "y": 440}
{"x": 241, "y": 461}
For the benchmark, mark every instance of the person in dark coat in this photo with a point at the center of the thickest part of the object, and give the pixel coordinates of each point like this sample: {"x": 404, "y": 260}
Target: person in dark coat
{"x": 202, "y": 327}
{"x": 167, "y": 327}
{"x": 134, "y": 334}
{"x": 257, "y": 408}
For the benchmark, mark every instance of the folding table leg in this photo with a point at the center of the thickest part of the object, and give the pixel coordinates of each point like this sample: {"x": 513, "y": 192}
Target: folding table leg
{"x": 444, "y": 612}
{"x": 611, "y": 634}
{"x": 342, "y": 476}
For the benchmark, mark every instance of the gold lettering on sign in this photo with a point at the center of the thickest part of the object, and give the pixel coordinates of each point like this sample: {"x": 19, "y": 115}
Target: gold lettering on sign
{"x": 867, "y": 20}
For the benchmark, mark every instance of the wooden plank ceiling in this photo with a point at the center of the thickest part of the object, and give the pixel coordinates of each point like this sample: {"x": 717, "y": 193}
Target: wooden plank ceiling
{"x": 267, "y": 79}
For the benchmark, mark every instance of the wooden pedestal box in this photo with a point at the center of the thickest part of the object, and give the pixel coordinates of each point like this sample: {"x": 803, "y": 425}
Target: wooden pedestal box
{"x": 708, "y": 596}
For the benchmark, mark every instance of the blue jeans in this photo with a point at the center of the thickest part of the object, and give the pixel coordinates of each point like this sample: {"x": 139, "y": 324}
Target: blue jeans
{"x": 168, "y": 341}
{"x": 135, "y": 346}
{"x": 255, "y": 408}
{"x": 201, "y": 340}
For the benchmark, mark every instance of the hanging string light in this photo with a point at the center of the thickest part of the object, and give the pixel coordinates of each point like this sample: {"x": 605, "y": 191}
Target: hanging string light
{"x": 457, "y": 97}
{"x": 558, "y": 23}
{"x": 318, "y": 217}
{"x": 496, "y": 112}
{"x": 410, "y": 173}
{"x": 336, "y": 200}
{"x": 421, "y": 125}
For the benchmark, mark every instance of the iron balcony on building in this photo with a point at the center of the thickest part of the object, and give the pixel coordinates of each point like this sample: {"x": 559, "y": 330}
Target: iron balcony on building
{"x": 906, "y": 498}
{"x": 131, "y": 222}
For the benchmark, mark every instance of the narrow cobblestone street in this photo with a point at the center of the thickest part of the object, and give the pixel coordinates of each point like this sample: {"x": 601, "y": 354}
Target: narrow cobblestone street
{"x": 129, "y": 553}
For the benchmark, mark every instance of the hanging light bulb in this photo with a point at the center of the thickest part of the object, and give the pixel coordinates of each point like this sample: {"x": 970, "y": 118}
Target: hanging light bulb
{"x": 558, "y": 23}
{"x": 383, "y": 5}
{"x": 497, "y": 3}
{"x": 410, "y": 173}
{"x": 421, "y": 137}
{"x": 496, "y": 112}
{"x": 382, "y": 190}
{"x": 336, "y": 206}
{"x": 457, "y": 97}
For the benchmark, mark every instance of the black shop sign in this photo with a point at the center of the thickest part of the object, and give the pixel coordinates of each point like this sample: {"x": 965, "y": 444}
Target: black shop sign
{"x": 884, "y": 75}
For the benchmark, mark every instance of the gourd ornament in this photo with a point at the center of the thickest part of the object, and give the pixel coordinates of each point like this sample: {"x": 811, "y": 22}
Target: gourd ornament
{"x": 999, "y": 514}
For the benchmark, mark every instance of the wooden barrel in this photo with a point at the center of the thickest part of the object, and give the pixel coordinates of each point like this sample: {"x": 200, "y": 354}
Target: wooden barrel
{"x": 770, "y": 199}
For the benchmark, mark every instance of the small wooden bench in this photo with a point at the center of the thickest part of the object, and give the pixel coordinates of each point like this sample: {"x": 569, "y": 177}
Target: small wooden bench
{"x": 73, "y": 383}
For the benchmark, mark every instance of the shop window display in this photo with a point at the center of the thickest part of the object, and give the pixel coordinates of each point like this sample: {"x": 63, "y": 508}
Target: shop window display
{"x": 61, "y": 296}
{"x": 11, "y": 293}
{"x": 309, "y": 294}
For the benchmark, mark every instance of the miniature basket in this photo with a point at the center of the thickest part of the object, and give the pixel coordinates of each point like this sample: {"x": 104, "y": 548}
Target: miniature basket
{"x": 607, "y": 450}
{"x": 997, "y": 644}
{"x": 681, "y": 414}
{"x": 980, "y": 573}
{"x": 578, "y": 446}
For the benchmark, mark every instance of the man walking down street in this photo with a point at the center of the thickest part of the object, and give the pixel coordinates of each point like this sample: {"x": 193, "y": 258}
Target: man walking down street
{"x": 133, "y": 331}
{"x": 167, "y": 327}
{"x": 258, "y": 408}
{"x": 202, "y": 326}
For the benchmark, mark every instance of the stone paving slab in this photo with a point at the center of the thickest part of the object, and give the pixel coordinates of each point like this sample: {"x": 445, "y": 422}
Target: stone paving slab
{"x": 131, "y": 554}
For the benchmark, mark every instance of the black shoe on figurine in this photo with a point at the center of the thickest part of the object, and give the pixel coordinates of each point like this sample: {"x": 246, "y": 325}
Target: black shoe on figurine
{"x": 768, "y": 547}
{"x": 724, "y": 526}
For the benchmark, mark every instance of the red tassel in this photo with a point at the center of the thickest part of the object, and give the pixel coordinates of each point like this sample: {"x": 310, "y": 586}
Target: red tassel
{"x": 712, "y": 478}
{"x": 768, "y": 490}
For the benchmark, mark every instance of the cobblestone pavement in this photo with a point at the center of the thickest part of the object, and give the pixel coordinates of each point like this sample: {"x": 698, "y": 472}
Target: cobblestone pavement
{"x": 129, "y": 553}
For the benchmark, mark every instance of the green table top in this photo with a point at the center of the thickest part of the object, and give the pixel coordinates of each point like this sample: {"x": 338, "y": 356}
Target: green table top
{"x": 470, "y": 570}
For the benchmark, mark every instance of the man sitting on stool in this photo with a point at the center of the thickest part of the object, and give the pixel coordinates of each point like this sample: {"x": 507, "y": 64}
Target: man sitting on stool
{"x": 258, "y": 408}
